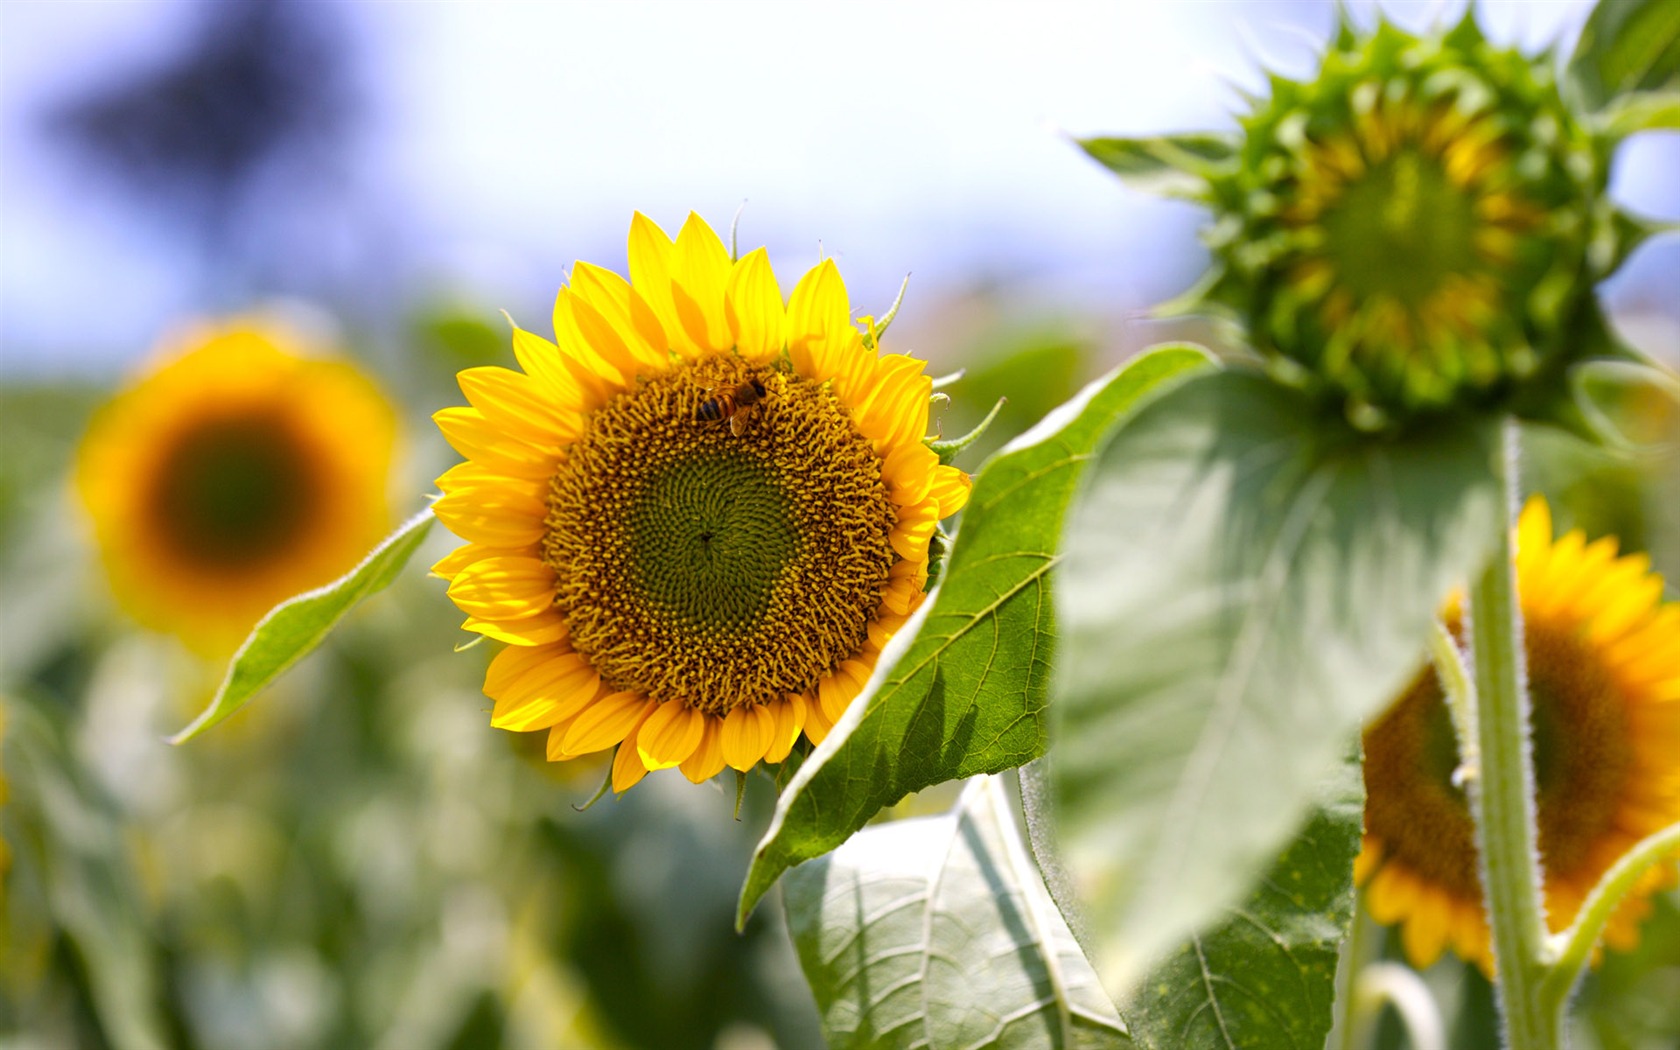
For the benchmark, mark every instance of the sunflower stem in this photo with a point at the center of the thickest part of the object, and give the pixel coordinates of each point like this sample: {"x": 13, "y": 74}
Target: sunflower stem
{"x": 1574, "y": 946}
{"x": 1502, "y": 791}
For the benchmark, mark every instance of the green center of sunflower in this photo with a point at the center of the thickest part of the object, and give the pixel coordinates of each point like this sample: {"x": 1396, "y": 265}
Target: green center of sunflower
{"x": 719, "y": 557}
{"x": 1403, "y": 211}
{"x": 232, "y": 493}
{"x": 1582, "y": 760}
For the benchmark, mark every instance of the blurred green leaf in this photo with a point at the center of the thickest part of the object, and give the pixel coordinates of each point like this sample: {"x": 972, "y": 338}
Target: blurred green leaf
{"x": 1029, "y": 369}
{"x": 962, "y": 689}
{"x": 937, "y": 932}
{"x": 1626, "y": 46}
{"x": 1643, "y": 111}
{"x": 1242, "y": 583}
{"x": 1165, "y": 165}
{"x": 75, "y": 872}
{"x": 1265, "y": 976}
{"x": 292, "y": 629}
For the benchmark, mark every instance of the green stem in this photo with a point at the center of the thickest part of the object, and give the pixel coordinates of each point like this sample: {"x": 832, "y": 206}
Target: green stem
{"x": 1574, "y": 946}
{"x": 1502, "y": 791}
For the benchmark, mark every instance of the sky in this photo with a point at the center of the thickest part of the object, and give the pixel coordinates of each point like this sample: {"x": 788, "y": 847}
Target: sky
{"x": 495, "y": 143}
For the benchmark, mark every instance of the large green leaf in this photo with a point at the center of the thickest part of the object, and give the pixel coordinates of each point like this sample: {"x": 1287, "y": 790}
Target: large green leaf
{"x": 1265, "y": 976}
{"x": 291, "y": 630}
{"x": 1167, "y": 165}
{"x": 962, "y": 689}
{"x": 1241, "y": 585}
{"x": 937, "y": 932}
{"x": 1626, "y": 46}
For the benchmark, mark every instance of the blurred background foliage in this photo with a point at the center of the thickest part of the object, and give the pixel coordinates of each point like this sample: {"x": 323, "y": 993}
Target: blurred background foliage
{"x": 358, "y": 859}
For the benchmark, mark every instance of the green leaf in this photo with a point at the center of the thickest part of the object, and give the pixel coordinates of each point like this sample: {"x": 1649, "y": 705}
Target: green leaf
{"x": 291, "y": 630}
{"x": 1642, "y": 111}
{"x": 75, "y": 888}
{"x": 1603, "y": 391}
{"x": 1265, "y": 976}
{"x": 1626, "y": 46}
{"x": 1242, "y": 583}
{"x": 1167, "y": 165}
{"x": 962, "y": 689}
{"x": 937, "y": 932}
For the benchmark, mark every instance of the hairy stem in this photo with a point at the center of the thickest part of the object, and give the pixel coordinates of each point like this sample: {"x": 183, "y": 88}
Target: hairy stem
{"x": 1502, "y": 791}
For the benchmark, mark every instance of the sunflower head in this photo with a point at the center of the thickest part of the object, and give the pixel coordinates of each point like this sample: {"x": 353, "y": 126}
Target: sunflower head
{"x": 1604, "y": 679}
{"x": 696, "y": 516}
{"x": 233, "y": 474}
{"x": 1415, "y": 229}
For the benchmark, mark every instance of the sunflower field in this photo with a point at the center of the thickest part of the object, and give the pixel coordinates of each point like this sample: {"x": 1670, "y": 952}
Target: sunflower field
{"x": 1232, "y": 606}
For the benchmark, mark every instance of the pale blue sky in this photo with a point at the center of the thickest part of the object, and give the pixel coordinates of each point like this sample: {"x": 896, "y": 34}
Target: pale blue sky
{"x": 505, "y": 140}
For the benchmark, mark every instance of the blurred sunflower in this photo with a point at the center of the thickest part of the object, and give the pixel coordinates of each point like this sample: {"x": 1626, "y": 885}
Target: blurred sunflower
{"x": 1604, "y": 679}
{"x": 232, "y": 476}
{"x": 697, "y": 517}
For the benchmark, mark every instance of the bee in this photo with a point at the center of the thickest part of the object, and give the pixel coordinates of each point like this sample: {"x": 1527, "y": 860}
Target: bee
{"x": 736, "y": 405}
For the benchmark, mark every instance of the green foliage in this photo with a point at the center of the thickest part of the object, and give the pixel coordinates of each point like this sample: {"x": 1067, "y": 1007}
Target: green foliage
{"x": 1265, "y": 976}
{"x": 1241, "y": 585}
{"x": 963, "y": 691}
{"x": 74, "y": 891}
{"x": 938, "y": 932}
{"x": 1627, "y": 46}
{"x": 291, "y": 630}
{"x": 1166, "y": 165}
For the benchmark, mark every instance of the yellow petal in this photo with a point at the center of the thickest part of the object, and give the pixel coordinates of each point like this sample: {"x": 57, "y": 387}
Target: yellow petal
{"x": 914, "y": 529}
{"x": 632, "y": 321}
{"x": 450, "y": 565}
{"x": 513, "y": 401}
{"x": 817, "y": 724}
{"x": 650, "y": 275}
{"x": 604, "y": 723}
{"x": 670, "y": 735}
{"x": 484, "y": 443}
{"x": 504, "y": 588}
{"x": 535, "y": 630}
{"x": 553, "y": 692}
{"x": 512, "y": 664}
{"x": 627, "y": 769}
{"x": 707, "y": 760}
{"x": 950, "y": 489}
{"x": 747, "y": 734}
{"x": 492, "y": 517}
{"x": 819, "y": 321}
{"x": 555, "y": 375}
{"x": 753, "y": 303}
{"x": 699, "y": 274}
{"x": 789, "y": 717}
{"x": 909, "y": 471}
{"x": 1425, "y": 934}
{"x": 586, "y": 337}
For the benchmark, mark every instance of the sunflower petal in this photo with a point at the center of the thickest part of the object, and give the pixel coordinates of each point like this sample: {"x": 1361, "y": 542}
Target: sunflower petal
{"x": 481, "y": 441}
{"x": 789, "y": 717}
{"x": 699, "y": 275}
{"x": 747, "y": 734}
{"x": 753, "y": 303}
{"x": 604, "y": 722}
{"x": 670, "y": 735}
{"x": 650, "y": 276}
{"x": 707, "y": 760}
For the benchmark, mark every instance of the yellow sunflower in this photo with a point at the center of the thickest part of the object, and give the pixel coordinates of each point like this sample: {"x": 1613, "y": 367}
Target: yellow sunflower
{"x": 697, "y": 516}
{"x": 1604, "y": 681}
{"x": 234, "y": 474}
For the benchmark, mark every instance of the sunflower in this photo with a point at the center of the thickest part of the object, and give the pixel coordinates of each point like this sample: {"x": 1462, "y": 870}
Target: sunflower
{"x": 1604, "y": 681}
{"x": 234, "y": 474}
{"x": 695, "y": 518}
{"x": 1416, "y": 227}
